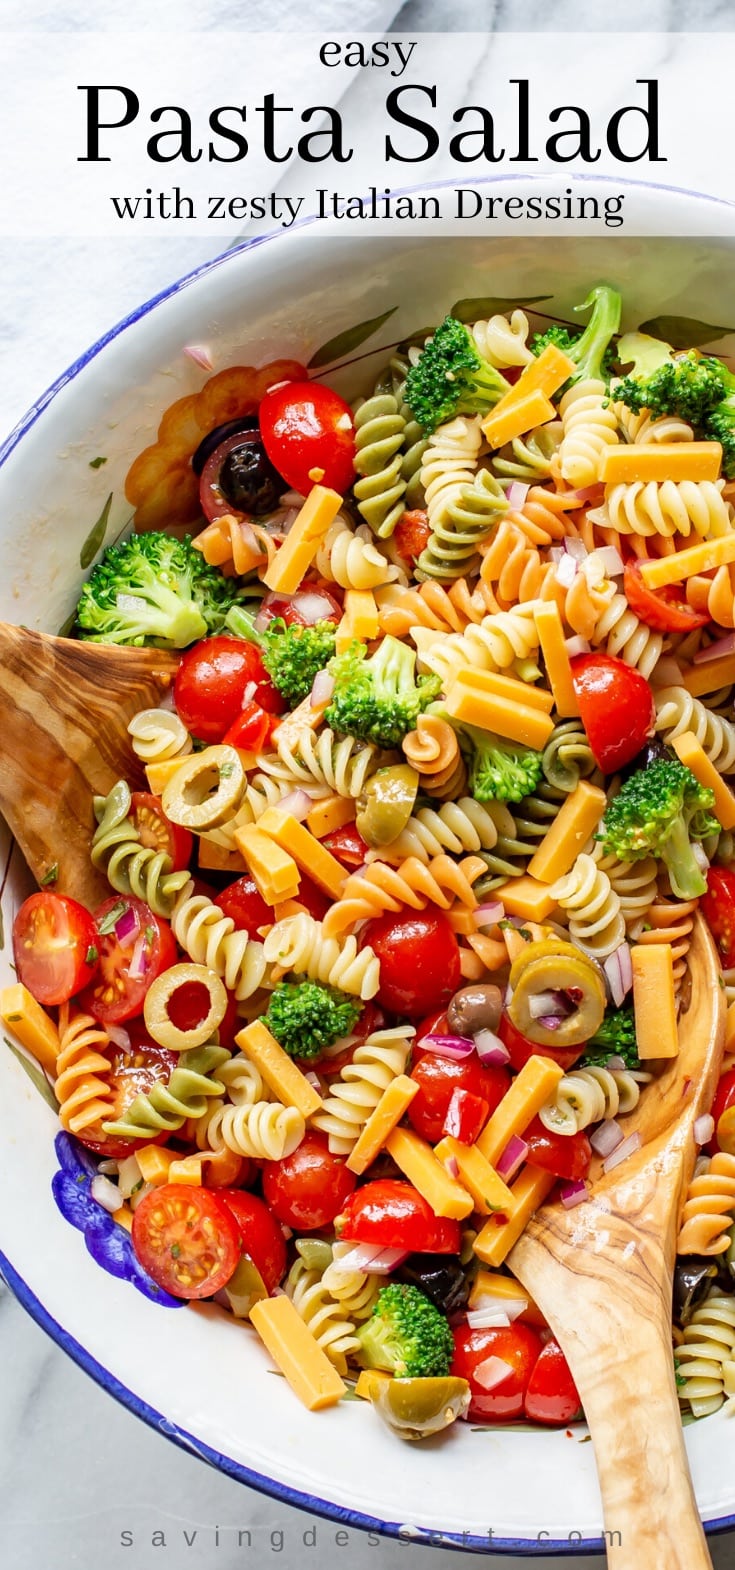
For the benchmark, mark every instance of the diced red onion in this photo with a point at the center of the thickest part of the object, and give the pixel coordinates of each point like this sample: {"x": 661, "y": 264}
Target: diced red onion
{"x": 127, "y": 927}
{"x": 487, "y": 915}
{"x": 550, "y": 1021}
{"x": 577, "y": 646}
{"x": 371, "y": 1259}
{"x": 616, "y": 1063}
{"x": 485, "y": 1303}
{"x": 493, "y": 1371}
{"x": 508, "y": 998}
{"x": 322, "y": 689}
{"x": 200, "y": 354}
{"x": 484, "y": 1319}
{"x": 618, "y": 968}
{"x": 512, "y": 1157}
{"x": 452, "y": 1166}
{"x": 457, "y": 1047}
{"x": 716, "y": 651}
{"x": 262, "y": 619}
{"x": 566, "y": 571}
{"x": 572, "y": 1194}
{"x": 609, "y": 560}
{"x": 700, "y": 856}
{"x": 313, "y": 1079}
{"x": 704, "y": 1128}
{"x": 555, "y": 554}
{"x": 555, "y": 1002}
{"x": 138, "y": 959}
{"x": 286, "y": 1230}
{"x": 119, "y": 1037}
{"x": 575, "y": 548}
{"x": 667, "y": 673}
{"x": 621, "y": 1152}
{"x": 107, "y": 1194}
{"x": 249, "y": 692}
{"x": 517, "y": 493}
{"x": 605, "y": 1139}
{"x": 312, "y": 606}
{"x": 490, "y": 1049}
{"x": 297, "y": 804}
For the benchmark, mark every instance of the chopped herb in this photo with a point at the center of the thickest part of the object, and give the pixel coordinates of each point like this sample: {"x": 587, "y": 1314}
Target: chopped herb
{"x": 110, "y": 921}
{"x": 175, "y": 1250}
{"x": 138, "y": 1185}
{"x": 226, "y": 770}
{"x": 92, "y": 955}
{"x": 12, "y": 1019}
{"x": 96, "y": 463}
{"x": 149, "y": 934}
{"x": 51, "y": 876}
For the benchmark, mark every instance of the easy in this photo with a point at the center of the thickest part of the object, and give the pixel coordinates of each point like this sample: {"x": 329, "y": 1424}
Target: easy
{"x": 358, "y": 54}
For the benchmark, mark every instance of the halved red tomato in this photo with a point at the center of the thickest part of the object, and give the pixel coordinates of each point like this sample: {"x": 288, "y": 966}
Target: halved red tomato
{"x": 551, "y": 1394}
{"x": 155, "y": 831}
{"x": 665, "y": 610}
{"x": 118, "y": 989}
{"x": 134, "y": 1070}
{"x": 346, "y": 845}
{"x": 616, "y": 706}
{"x": 187, "y": 1239}
{"x": 306, "y": 426}
{"x": 393, "y": 1213}
{"x": 568, "y": 1156}
{"x": 260, "y": 1234}
{"x": 718, "y": 908}
{"x": 521, "y": 1049}
{"x": 214, "y": 679}
{"x": 54, "y": 946}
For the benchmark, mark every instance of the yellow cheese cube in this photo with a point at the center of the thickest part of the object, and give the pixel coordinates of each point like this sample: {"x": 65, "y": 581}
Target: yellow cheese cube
{"x": 154, "y": 1162}
{"x": 525, "y": 897}
{"x": 273, "y": 871}
{"x": 186, "y": 1169}
{"x": 417, "y": 1161}
{"x": 299, "y": 548}
{"x": 654, "y": 1004}
{"x": 333, "y": 812}
{"x": 491, "y": 1284}
{"x": 306, "y": 851}
{"x": 387, "y": 1115}
{"x": 360, "y": 619}
{"x": 518, "y": 722}
{"x": 307, "y": 714}
{"x": 494, "y": 684}
{"x": 488, "y": 1191}
{"x": 215, "y": 858}
{"x": 709, "y": 675}
{"x": 494, "y": 1242}
{"x": 660, "y": 461}
{"x": 532, "y": 1086}
{"x": 278, "y": 1070}
{"x": 369, "y": 1382}
{"x": 692, "y": 754}
{"x": 546, "y": 373}
{"x": 688, "y": 563}
{"x": 159, "y": 774}
{"x": 501, "y": 425}
{"x": 297, "y": 1352}
{"x": 558, "y": 667}
{"x": 576, "y": 820}
{"x": 123, "y": 1217}
{"x": 33, "y": 1027}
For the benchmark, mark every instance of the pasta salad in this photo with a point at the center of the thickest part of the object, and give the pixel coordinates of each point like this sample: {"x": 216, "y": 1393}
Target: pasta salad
{"x": 397, "y": 930}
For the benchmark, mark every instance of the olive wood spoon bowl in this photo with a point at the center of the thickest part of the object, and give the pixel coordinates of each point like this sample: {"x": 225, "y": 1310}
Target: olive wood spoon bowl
{"x": 64, "y": 712}
{"x": 602, "y": 1274}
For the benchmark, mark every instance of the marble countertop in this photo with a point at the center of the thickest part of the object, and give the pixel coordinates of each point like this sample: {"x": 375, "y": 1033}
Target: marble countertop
{"x": 81, "y": 1481}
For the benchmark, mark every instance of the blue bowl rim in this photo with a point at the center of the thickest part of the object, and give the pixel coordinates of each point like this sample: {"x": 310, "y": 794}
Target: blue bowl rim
{"x": 520, "y": 1547}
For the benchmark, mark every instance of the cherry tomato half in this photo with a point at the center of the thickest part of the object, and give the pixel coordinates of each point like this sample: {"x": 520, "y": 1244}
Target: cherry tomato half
{"x": 252, "y": 729}
{"x": 616, "y": 706}
{"x": 155, "y": 831}
{"x": 261, "y": 1236}
{"x": 309, "y": 1188}
{"x": 305, "y": 426}
{"x": 419, "y": 960}
{"x": 665, "y": 610}
{"x": 466, "y": 1116}
{"x": 346, "y": 845}
{"x": 551, "y": 1394}
{"x": 133, "y": 1072}
{"x": 245, "y": 906}
{"x": 114, "y": 995}
{"x": 718, "y": 908}
{"x": 724, "y": 1100}
{"x": 521, "y": 1049}
{"x": 393, "y": 1213}
{"x": 211, "y": 682}
{"x": 566, "y": 1155}
{"x": 438, "y": 1078}
{"x": 187, "y": 1240}
{"x": 518, "y": 1345}
{"x": 54, "y": 946}
{"x": 411, "y": 534}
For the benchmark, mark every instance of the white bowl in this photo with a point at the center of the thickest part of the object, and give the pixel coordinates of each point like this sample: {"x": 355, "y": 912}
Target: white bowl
{"x": 198, "y": 1375}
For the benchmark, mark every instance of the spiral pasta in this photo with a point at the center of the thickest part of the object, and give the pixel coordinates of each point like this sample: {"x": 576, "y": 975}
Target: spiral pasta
{"x": 379, "y": 434}
{"x": 350, "y": 558}
{"x": 82, "y": 1084}
{"x": 672, "y": 922}
{"x": 634, "y": 882}
{"x": 432, "y": 749}
{"x": 298, "y": 943}
{"x": 158, "y": 735}
{"x": 513, "y": 566}
{"x": 209, "y": 938}
{"x": 529, "y": 457}
{"x": 645, "y": 427}
{"x": 132, "y": 868}
{"x": 325, "y": 1316}
{"x": 589, "y": 427}
{"x": 596, "y": 921}
{"x": 429, "y": 605}
{"x": 326, "y": 761}
{"x": 702, "y": 1357}
{"x": 717, "y": 596}
{"x": 492, "y": 645}
{"x": 355, "y": 1290}
{"x": 502, "y": 340}
{"x": 459, "y": 827}
{"x": 260, "y": 793}
{"x": 665, "y": 507}
{"x": 264, "y": 1130}
{"x": 708, "y": 1208}
{"x": 449, "y": 464}
{"x": 622, "y": 633}
{"x": 167, "y": 1107}
{"x": 677, "y": 711}
{"x": 380, "y": 887}
{"x": 360, "y": 1086}
{"x": 459, "y": 527}
{"x": 567, "y": 757}
{"x": 590, "y": 1095}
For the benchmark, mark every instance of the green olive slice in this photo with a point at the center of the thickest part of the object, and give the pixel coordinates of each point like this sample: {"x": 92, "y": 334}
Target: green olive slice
{"x": 417, "y": 1408}
{"x": 158, "y": 998}
{"x": 206, "y": 789}
{"x": 558, "y": 972}
{"x": 386, "y": 804}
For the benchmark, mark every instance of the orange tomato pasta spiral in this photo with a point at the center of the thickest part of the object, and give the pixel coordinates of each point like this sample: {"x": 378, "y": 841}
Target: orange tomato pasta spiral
{"x": 709, "y": 1208}
{"x": 671, "y": 921}
{"x": 433, "y": 751}
{"x": 379, "y": 887}
{"x": 82, "y": 1086}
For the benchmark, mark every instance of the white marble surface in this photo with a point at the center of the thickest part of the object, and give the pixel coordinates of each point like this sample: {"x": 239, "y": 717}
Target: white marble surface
{"x": 76, "y": 1470}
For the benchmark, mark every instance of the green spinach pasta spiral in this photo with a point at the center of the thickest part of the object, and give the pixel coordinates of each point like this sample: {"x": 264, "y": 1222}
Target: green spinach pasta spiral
{"x": 132, "y": 868}
{"x": 380, "y": 487}
{"x": 165, "y": 1108}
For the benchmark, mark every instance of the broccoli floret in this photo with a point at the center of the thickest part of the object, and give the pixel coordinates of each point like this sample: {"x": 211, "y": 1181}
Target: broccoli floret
{"x": 615, "y": 1038}
{"x": 292, "y": 655}
{"x": 376, "y": 699}
{"x": 590, "y": 350}
{"x": 450, "y": 377}
{"x": 720, "y": 427}
{"x": 153, "y": 589}
{"x": 500, "y": 770}
{"x": 690, "y": 386}
{"x": 306, "y": 1017}
{"x": 658, "y": 811}
{"x": 406, "y": 1335}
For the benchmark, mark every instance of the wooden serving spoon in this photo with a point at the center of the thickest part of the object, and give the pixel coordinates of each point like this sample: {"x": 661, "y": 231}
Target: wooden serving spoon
{"x": 64, "y": 712}
{"x": 602, "y": 1274}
